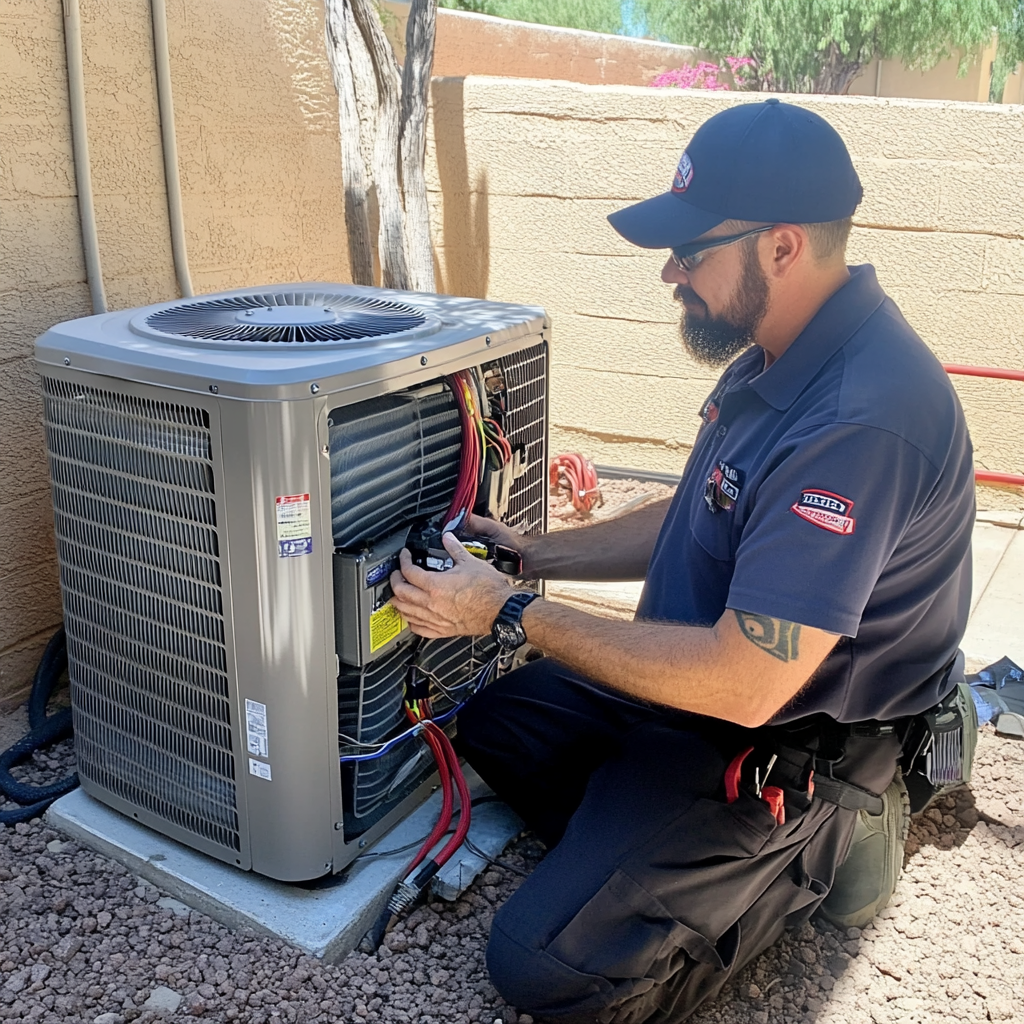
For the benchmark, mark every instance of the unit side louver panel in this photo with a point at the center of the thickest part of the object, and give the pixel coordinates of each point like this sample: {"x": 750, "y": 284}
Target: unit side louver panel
{"x": 135, "y": 517}
{"x": 370, "y": 710}
{"x": 394, "y": 459}
{"x": 525, "y": 376}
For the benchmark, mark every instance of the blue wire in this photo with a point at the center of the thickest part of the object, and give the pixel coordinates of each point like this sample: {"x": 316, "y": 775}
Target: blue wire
{"x": 418, "y": 728}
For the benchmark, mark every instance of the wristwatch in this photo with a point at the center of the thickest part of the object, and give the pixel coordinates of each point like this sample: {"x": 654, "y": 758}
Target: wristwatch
{"x": 508, "y": 629}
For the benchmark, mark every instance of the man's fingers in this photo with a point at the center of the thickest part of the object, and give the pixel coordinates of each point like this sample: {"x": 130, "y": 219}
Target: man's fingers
{"x": 408, "y": 593}
{"x": 413, "y": 573}
{"x": 455, "y": 547}
{"x": 481, "y": 526}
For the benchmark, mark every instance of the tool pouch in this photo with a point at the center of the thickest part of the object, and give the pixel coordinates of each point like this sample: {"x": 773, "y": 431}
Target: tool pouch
{"x": 938, "y": 751}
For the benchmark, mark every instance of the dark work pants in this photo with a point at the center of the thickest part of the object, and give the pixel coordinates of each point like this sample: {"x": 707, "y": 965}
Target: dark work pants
{"x": 655, "y": 889}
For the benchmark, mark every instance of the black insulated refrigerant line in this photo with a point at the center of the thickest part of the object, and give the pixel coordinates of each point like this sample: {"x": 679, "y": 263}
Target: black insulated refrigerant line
{"x": 45, "y": 730}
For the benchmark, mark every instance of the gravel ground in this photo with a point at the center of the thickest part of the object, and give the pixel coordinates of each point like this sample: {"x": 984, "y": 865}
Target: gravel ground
{"x": 83, "y": 940}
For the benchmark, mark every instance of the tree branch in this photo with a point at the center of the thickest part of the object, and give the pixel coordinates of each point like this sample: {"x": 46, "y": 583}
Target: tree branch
{"x": 391, "y": 235}
{"x": 341, "y": 37}
{"x": 419, "y": 59}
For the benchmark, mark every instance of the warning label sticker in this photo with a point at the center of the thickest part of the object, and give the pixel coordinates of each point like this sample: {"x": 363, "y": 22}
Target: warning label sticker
{"x": 256, "y": 728}
{"x": 385, "y": 624}
{"x": 294, "y": 525}
{"x": 259, "y": 769}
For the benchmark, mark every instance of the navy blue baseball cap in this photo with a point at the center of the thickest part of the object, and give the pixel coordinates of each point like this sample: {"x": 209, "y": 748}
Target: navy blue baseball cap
{"x": 769, "y": 162}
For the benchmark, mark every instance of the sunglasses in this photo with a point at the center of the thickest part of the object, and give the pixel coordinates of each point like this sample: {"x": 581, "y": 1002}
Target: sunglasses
{"x": 690, "y": 256}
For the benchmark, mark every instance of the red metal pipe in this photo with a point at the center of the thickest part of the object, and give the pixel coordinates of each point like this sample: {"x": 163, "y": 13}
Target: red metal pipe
{"x": 985, "y": 476}
{"x": 984, "y": 371}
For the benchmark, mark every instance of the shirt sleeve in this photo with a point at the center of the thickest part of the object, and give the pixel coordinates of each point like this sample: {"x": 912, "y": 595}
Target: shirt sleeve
{"x": 826, "y": 519}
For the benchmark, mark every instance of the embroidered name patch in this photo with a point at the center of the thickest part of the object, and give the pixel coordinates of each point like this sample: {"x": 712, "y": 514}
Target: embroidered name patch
{"x": 825, "y": 509}
{"x": 684, "y": 174}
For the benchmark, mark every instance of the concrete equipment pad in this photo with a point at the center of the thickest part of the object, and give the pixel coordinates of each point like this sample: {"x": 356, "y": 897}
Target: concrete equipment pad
{"x": 326, "y": 919}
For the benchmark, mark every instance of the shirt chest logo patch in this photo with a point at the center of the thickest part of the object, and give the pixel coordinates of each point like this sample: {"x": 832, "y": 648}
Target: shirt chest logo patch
{"x": 722, "y": 489}
{"x": 823, "y": 508}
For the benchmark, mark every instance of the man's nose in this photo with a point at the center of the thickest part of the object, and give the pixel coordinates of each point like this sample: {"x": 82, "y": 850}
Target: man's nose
{"x": 671, "y": 273}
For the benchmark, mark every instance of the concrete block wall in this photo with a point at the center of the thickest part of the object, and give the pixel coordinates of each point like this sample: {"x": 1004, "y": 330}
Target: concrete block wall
{"x": 259, "y": 161}
{"x": 524, "y": 174}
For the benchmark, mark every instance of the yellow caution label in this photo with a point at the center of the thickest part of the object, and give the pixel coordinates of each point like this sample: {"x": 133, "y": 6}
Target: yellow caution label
{"x": 385, "y": 624}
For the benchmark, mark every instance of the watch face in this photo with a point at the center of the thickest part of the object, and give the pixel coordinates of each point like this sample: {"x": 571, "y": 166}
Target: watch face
{"x": 508, "y": 636}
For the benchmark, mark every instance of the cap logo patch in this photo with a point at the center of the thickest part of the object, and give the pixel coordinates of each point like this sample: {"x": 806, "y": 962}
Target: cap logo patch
{"x": 823, "y": 508}
{"x": 684, "y": 174}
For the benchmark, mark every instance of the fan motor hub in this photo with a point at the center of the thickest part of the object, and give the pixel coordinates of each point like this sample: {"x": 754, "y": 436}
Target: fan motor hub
{"x": 285, "y": 316}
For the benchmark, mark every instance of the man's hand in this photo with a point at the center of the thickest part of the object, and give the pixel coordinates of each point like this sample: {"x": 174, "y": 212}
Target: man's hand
{"x": 464, "y": 601}
{"x": 499, "y": 533}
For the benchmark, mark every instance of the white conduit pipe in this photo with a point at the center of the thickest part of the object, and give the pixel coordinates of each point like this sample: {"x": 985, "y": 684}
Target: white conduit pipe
{"x": 80, "y": 148}
{"x": 170, "y": 147}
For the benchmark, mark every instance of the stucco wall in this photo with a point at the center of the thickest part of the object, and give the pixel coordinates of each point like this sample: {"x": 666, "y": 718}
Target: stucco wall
{"x": 942, "y": 82}
{"x": 257, "y": 133}
{"x": 524, "y": 174}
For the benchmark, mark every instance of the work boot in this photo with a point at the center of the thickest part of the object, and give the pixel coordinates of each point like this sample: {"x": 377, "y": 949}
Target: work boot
{"x": 866, "y": 879}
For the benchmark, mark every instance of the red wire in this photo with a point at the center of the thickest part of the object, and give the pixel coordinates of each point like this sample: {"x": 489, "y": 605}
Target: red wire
{"x": 448, "y": 798}
{"x": 577, "y": 475}
{"x": 465, "y": 801}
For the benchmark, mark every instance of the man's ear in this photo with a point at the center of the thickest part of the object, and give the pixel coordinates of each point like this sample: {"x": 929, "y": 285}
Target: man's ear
{"x": 788, "y": 245}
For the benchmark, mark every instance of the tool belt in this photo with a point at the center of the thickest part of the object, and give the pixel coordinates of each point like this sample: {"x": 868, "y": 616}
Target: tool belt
{"x": 935, "y": 750}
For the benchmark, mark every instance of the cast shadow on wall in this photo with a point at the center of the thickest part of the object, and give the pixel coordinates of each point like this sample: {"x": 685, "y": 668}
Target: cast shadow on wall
{"x": 465, "y": 228}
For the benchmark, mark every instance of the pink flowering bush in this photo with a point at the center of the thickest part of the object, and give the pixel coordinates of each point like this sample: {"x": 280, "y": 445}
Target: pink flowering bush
{"x": 704, "y": 75}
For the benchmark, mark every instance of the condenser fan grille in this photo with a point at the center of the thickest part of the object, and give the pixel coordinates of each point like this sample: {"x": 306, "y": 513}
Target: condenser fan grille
{"x": 284, "y": 318}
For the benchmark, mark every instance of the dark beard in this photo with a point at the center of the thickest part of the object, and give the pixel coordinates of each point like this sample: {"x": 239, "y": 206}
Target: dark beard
{"x": 716, "y": 340}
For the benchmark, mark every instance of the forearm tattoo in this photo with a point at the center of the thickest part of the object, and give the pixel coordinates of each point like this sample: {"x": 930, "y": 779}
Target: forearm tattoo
{"x": 776, "y": 636}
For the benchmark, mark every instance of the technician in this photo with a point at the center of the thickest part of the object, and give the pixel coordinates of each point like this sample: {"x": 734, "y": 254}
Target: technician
{"x": 697, "y": 774}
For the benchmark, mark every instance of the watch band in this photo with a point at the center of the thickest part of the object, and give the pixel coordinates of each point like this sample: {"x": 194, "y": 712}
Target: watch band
{"x": 511, "y": 614}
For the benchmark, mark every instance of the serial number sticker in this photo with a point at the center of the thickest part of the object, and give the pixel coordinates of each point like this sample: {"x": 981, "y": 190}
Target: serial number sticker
{"x": 259, "y": 769}
{"x": 256, "y": 728}
{"x": 385, "y": 624}
{"x": 294, "y": 525}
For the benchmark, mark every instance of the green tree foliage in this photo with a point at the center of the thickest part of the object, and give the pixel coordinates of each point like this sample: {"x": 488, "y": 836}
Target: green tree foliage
{"x": 1011, "y": 50}
{"x": 592, "y": 15}
{"x": 822, "y": 45}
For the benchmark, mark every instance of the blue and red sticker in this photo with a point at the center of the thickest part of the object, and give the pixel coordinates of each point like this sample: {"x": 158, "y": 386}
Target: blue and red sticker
{"x": 684, "y": 174}
{"x": 826, "y": 510}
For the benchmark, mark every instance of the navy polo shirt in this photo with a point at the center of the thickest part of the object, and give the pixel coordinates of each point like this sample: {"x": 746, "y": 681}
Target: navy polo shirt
{"x": 833, "y": 489}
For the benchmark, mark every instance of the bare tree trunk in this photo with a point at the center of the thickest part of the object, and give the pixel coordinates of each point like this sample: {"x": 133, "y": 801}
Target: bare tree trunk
{"x": 419, "y": 59}
{"x": 341, "y": 38}
{"x": 837, "y": 72}
{"x": 391, "y": 236}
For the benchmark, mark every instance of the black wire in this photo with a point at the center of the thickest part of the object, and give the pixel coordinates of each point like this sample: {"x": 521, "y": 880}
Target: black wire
{"x": 490, "y": 798}
{"x": 495, "y": 861}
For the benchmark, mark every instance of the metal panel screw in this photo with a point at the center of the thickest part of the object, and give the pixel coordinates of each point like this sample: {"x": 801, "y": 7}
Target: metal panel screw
{"x": 338, "y": 826}
{"x": 326, "y": 450}
{"x": 214, "y": 389}
{"x": 487, "y": 340}
{"x": 362, "y": 843}
{"x": 67, "y": 362}
{"x": 314, "y": 388}
{"x": 423, "y": 360}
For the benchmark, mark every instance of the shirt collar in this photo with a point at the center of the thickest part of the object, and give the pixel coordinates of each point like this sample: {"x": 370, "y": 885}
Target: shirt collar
{"x": 830, "y": 328}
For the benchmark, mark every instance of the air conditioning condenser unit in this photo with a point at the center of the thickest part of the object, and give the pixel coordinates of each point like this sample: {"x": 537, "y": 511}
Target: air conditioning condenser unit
{"x": 233, "y": 476}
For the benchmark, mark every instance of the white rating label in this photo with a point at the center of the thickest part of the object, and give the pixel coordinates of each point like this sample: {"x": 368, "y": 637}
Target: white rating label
{"x": 256, "y": 741}
{"x": 294, "y": 525}
{"x": 259, "y": 769}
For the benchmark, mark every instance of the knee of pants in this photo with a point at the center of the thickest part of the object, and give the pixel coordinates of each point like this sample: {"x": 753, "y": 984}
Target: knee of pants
{"x": 533, "y": 980}
{"x": 476, "y": 723}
